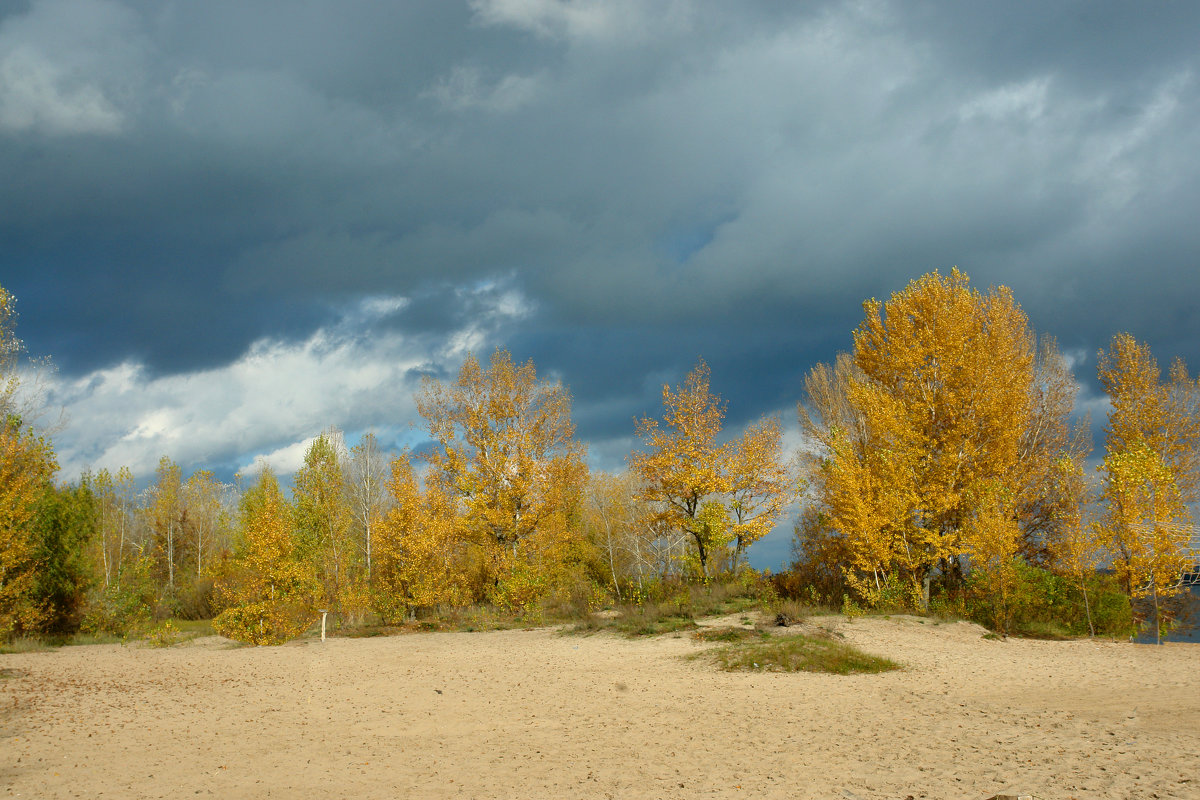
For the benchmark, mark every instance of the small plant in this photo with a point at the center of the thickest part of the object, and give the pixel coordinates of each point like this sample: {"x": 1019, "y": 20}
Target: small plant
{"x": 163, "y": 635}
{"x": 851, "y": 609}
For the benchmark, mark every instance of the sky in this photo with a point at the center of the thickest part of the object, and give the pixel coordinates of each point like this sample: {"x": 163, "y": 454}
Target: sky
{"x": 234, "y": 224}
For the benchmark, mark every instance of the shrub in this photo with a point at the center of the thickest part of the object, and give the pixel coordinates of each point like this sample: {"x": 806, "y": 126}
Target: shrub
{"x": 1044, "y": 603}
{"x": 264, "y": 623}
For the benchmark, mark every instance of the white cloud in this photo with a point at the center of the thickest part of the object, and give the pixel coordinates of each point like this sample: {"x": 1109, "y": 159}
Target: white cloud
{"x": 588, "y": 20}
{"x": 1019, "y": 100}
{"x": 270, "y": 402}
{"x": 464, "y": 88}
{"x": 36, "y": 94}
{"x": 283, "y": 461}
{"x": 71, "y": 67}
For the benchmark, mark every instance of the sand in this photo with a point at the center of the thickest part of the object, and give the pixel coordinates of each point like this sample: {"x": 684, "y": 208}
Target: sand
{"x": 534, "y": 713}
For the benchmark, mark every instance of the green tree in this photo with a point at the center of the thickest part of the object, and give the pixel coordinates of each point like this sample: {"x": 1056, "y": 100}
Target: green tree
{"x": 64, "y": 526}
{"x": 323, "y": 516}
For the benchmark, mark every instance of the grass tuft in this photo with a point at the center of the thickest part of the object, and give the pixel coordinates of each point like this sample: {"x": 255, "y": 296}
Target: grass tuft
{"x": 651, "y": 619}
{"x": 727, "y": 634}
{"x": 797, "y": 654}
{"x": 24, "y": 644}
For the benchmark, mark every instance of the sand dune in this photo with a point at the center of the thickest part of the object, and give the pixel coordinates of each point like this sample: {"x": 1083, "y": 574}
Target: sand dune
{"x": 536, "y": 714}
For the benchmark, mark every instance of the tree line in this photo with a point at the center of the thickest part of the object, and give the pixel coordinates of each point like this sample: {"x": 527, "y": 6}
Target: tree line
{"x": 940, "y": 468}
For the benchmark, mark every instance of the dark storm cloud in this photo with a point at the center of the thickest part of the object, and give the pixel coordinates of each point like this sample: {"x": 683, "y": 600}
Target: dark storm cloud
{"x": 613, "y": 188}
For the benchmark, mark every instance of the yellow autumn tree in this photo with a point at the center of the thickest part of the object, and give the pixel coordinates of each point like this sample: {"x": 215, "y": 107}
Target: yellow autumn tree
{"x": 712, "y": 494}
{"x": 942, "y": 408}
{"x": 27, "y": 464}
{"x": 420, "y": 556}
{"x": 1147, "y": 525}
{"x": 760, "y": 484}
{"x": 165, "y": 516}
{"x": 682, "y": 466}
{"x": 1150, "y": 470}
{"x": 1076, "y": 550}
{"x": 991, "y": 540}
{"x": 269, "y": 590}
{"x": 506, "y": 453}
{"x": 26, "y": 467}
{"x": 1164, "y": 415}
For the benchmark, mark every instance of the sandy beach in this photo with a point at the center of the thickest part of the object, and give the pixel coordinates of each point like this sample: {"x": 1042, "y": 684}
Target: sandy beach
{"x": 533, "y": 713}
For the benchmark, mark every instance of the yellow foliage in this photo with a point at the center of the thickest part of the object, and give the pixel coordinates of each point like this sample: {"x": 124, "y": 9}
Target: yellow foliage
{"x": 419, "y": 548}
{"x": 1150, "y": 469}
{"x": 1162, "y": 415}
{"x": 508, "y": 462}
{"x": 269, "y": 591}
{"x": 759, "y": 483}
{"x": 1147, "y": 524}
{"x": 681, "y": 468}
{"x": 941, "y": 409}
{"x": 711, "y": 493}
{"x": 26, "y": 465}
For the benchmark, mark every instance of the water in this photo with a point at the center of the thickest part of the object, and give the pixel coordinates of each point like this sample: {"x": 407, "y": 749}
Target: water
{"x": 1188, "y": 630}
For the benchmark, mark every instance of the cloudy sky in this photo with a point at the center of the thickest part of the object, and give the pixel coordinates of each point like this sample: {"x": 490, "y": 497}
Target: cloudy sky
{"x": 232, "y": 224}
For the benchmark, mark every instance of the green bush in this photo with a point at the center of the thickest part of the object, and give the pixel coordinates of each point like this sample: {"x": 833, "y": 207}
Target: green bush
{"x": 1045, "y": 604}
{"x": 124, "y": 606}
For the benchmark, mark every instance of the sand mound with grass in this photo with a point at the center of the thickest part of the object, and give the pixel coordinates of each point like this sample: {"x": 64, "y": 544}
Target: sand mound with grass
{"x": 539, "y": 714}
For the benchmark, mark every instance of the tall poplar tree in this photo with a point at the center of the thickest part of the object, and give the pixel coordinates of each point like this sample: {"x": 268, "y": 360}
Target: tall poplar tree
{"x": 323, "y": 515}
{"x": 1152, "y": 452}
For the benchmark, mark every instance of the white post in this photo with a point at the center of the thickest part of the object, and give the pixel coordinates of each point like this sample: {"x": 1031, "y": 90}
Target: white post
{"x": 323, "y": 611}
